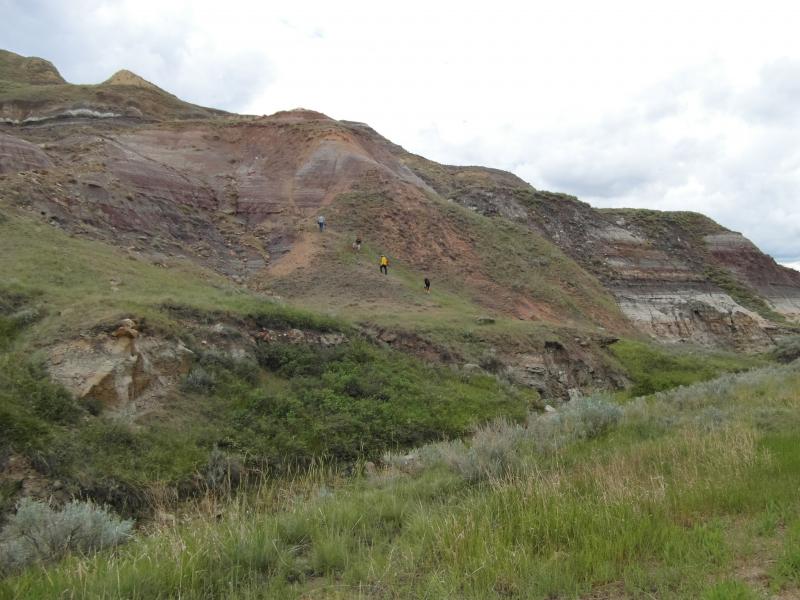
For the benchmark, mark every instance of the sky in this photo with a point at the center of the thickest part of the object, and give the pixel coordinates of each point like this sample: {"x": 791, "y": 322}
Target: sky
{"x": 667, "y": 105}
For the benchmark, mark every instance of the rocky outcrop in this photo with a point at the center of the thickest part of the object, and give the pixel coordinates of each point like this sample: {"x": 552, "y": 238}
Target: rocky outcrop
{"x": 778, "y": 285}
{"x": 678, "y": 277}
{"x": 561, "y": 372}
{"x": 701, "y": 315}
{"x": 123, "y": 375}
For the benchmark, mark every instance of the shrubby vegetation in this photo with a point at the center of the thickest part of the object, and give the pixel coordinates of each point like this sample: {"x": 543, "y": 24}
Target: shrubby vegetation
{"x": 293, "y": 405}
{"x": 690, "y": 493}
{"x": 787, "y": 349}
{"x": 500, "y": 448}
{"x": 353, "y": 401}
{"x": 37, "y": 533}
{"x": 30, "y": 405}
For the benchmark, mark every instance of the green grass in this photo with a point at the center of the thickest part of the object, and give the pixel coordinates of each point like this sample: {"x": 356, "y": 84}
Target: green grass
{"x": 72, "y": 288}
{"x": 677, "y": 514}
{"x": 654, "y": 368}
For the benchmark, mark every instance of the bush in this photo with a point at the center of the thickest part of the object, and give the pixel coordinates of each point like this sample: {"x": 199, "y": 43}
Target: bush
{"x": 581, "y": 419}
{"x": 222, "y": 472}
{"x": 787, "y": 350}
{"x": 199, "y": 381}
{"x": 590, "y": 417}
{"x": 38, "y": 533}
{"x": 30, "y": 384}
{"x": 493, "y": 451}
{"x": 222, "y": 365}
{"x": 30, "y": 404}
{"x": 283, "y": 317}
{"x": 497, "y": 448}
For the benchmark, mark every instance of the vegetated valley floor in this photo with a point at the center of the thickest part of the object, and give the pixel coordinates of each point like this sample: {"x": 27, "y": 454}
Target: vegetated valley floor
{"x": 690, "y": 493}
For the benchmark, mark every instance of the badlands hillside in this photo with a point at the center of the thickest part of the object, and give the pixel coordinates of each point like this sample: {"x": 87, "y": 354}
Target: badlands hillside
{"x": 120, "y": 201}
{"x": 202, "y": 395}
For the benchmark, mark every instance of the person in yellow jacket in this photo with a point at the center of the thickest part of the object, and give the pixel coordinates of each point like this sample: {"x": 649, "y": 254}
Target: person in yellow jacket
{"x": 384, "y": 264}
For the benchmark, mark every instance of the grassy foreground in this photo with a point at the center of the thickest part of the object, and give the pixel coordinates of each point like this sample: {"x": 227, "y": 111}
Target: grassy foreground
{"x": 688, "y": 493}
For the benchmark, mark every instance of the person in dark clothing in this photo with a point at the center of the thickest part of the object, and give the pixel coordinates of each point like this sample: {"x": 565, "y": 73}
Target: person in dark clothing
{"x": 427, "y": 285}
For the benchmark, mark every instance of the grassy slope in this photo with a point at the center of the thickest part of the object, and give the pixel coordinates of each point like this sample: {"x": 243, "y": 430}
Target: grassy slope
{"x": 526, "y": 267}
{"x": 693, "y": 494}
{"x": 290, "y": 405}
{"x": 656, "y": 369}
{"x": 74, "y": 281}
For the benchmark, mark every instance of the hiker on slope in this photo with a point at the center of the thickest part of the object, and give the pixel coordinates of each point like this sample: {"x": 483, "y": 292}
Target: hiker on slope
{"x": 321, "y": 222}
{"x": 384, "y": 264}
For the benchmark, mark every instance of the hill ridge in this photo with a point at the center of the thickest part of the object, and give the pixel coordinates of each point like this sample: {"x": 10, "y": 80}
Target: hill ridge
{"x": 126, "y": 77}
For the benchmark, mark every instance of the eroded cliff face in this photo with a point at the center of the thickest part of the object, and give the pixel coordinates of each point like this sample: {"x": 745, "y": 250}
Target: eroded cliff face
{"x": 238, "y": 193}
{"x": 677, "y": 276}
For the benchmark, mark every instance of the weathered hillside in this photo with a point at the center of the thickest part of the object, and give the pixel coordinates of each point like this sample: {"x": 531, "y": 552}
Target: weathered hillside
{"x": 255, "y": 335}
{"x": 676, "y": 276}
{"x": 240, "y": 195}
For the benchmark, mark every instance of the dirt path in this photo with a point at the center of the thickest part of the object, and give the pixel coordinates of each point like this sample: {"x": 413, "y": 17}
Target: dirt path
{"x": 299, "y": 256}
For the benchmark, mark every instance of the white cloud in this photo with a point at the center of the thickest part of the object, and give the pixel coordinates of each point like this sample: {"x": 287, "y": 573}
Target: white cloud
{"x": 792, "y": 265}
{"x": 681, "y": 105}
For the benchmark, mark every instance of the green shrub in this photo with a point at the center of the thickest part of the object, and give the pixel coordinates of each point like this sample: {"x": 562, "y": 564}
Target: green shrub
{"x": 30, "y": 404}
{"x": 295, "y": 360}
{"x": 355, "y": 400}
{"x": 38, "y": 533}
{"x": 199, "y": 381}
{"x": 787, "y": 349}
{"x": 8, "y": 330}
{"x": 284, "y": 317}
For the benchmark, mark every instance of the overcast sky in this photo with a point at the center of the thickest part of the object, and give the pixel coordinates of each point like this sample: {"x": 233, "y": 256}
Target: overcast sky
{"x": 669, "y": 105}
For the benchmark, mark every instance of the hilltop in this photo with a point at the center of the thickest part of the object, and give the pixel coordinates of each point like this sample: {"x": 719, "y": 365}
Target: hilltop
{"x": 33, "y": 91}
